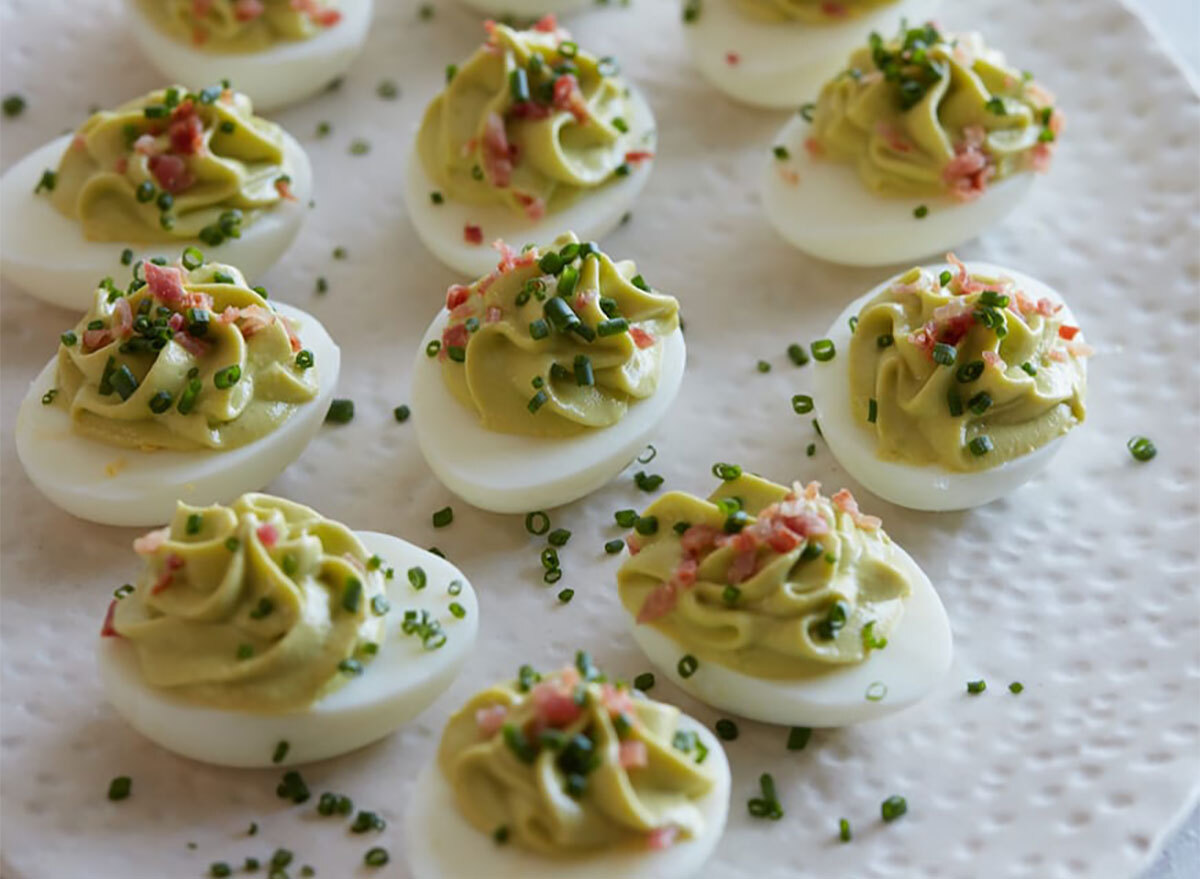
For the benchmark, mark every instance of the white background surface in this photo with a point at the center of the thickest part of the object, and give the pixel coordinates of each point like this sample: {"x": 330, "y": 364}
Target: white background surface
{"x": 1076, "y": 777}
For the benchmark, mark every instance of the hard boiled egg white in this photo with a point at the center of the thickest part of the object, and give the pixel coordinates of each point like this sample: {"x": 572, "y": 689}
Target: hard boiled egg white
{"x": 46, "y": 254}
{"x": 916, "y": 657}
{"x": 782, "y": 64}
{"x": 441, "y": 227}
{"x": 823, "y": 208}
{"x": 508, "y": 473}
{"x": 283, "y": 74}
{"x": 530, "y": 9}
{"x": 441, "y": 844}
{"x": 918, "y": 488}
{"x": 397, "y": 684}
{"x": 119, "y": 486}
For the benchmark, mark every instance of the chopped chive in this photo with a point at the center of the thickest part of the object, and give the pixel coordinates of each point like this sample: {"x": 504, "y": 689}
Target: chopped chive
{"x": 1029, "y": 368}
{"x": 341, "y": 411}
{"x": 194, "y": 522}
{"x": 980, "y": 403}
{"x": 228, "y": 377}
{"x": 893, "y": 807}
{"x": 443, "y": 517}
{"x": 954, "y": 403}
{"x": 537, "y": 401}
{"x": 626, "y": 518}
{"x": 763, "y": 366}
{"x": 798, "y": 737}
{"x": 843, "y": 830}
{"x": 612, "y": 547}
{"x": 797, "y": 354}
{"x": 1142, "y": 448}
{"x": 980, "y": 446}
{"x": 646, "y": 525}
{"x": 726, "y": 472}
{"x": 376, "y": 857}
{"x": 920, "y": 212}
{"x": 232, "y": 544}
{"x": 352, "y": 594}
{"x": 876, "y": 691}
{"x": 970, "y": 371}
{"x": 644, "y": 681}
{"x": 731, "y": 594}
{"x": 976, "y": 687}
{"x": 886, "y": 340}
{"x": 1015, "y": 687}
{"x": 584, "y": 377}
{"x": 559, "y": 537}
{"x": 646, "y": 481}
{"x": 537, "y": 522}
{"x": 726, "y": 729}
{"x": 281, "y": 751}
{"x": 687, "y": 666}
{"x": 566, "y": 595}
{"x": 872, "y": 410}
{"x": 823, "y": 350}
{"x": 944, "y": 354}
{"x": 417, "y": 578}
{"x": 944, "y": 277}
{"x": 457, "y": 610}
{"x": 120, "y": 787}
{"x": 811, "y": 450}
{"x": 612, "y": 327}
{"x": 802, "y": 404}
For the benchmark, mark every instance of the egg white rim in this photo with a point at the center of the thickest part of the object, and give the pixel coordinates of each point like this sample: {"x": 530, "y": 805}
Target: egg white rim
{"x": 772, "y": 71}
{"x": 890, "y": 232}
{"x": 591, "y": 216}
{"x": 341, "y": 721}
{"x": 572, "y": 466}
{"x": 921, "y": 642}
{"x": 525, "y": 8}
{"x": 178, "y": 60}
{"x": 65, "y": 267}
{"x": 933, "y": 487}
{"x": 437, "y": 837}
{"x": 198, "y": 477}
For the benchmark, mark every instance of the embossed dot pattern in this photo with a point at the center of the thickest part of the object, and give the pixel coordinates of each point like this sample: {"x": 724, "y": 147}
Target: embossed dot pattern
{"x": 1082, "y": 585}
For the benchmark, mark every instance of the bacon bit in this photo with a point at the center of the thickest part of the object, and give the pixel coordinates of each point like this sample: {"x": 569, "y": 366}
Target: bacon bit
{"x": 845, "y": 502}
{"x": 472, "y": 234}
{"x": 230, "y": 314}
{"x": 660, "y": 602}
{"x": 967, "y": 174}
{"x": 535, "y": 208}
{"x": 255, "y": 319}
{"x": 185, "y": 131}
{"x": 199, "y": 36}
{"x": 661, "y": 838}
{"x": 991, "y": 358}
{"x": 567, "y": 96}
{"x": 284, "y": 188}
{"x": 493, "y": 314}
{"x": 547, "y": 24}
{"x": 317, "y": 14}
{"x": 149, "y": 543}
{"x": 814, "y": 148}
{"x": 165, "y": 283}
{"x": 508, "y": 256}
{"x": 462, "y": 312}
{"x": 175, "y": 321}
{"x": 293, "y": 339}
{"x": 1058, "y": 355}
{"x": 1080, "y": 348}
{"x": 812, "y": 491}
{"x": 121, "y": 165}
{"x": 834, "y": 9}
{"x": 530, "y": 110}
{"x": 489, "y": 719}
{"x": 196, "y": 347}
{"x": 615, "y": 700}
{"x": 641, "y": 338}
{"x": 732, "y": 58}
{"x": 1068, "y": 332}
{"x": 171, "y": 172}
{"x": 635, "y": 156}
{"x": 699, "y": 539}
{"x": 147, "y": 145}
{"x": 107, "y": 630}
{"x": 455, "y": 336}
{"x": 893, "y": 138}
{"x": 248, "y": 10}
{"x": 964, "y": 283}
{"x": 1047, "y": 308}
{"x": 632, "y": 544}
{"x": 456, "y": 295}
{"x": 790, "y": 176}
{"x": 1041, "y": 156}
{"x": 1022, "y": 303}
{"x": 554, "y": 703}
{"x": 632, "y": 754}
{"x": 122, "y": 318}
{"x": 742, "y": 567}
{"x": 267, "y": 534}
{"x": 497, "y": 156}
{"x": 93, "y": 340}
{"x": 584, "y": 298}
{"x": 79, "y": 142}
{"x": 167, "y": 577}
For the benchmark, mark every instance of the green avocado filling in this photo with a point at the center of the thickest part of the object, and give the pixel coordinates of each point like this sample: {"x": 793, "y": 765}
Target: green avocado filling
{"x": 173, "y": 165}
{"x": 810, "y": 11}
{"x": 531, "y": 121}
{"x": 259, "y": 606}
{"x": 226, "y": 26}
{"x": 570, "y": 763}
{"x": 189, "y": 359}
{"x": 977, "y": 373}
{"x": 772, "y": 582}
{"x": 928, "y": 114}
{"x": 555, "y": 341}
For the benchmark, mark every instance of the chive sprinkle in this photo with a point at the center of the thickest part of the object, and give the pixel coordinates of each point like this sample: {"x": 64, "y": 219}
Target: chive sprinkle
{"x": 920, "y": 212}
{"x": 843, "y": 830}
{"x": 798, "y": 737}
{"x": 281, "y": 751}
{"x": 443, "y": 517}
{"x": 352, "y": 594}
{"x": 417, "y": 578}
{"x": 823, "y": 350}
{"x": 976, "y": 687}
{"x": 687, "y": 666}
{"x": 537, "y": 522}
{"x": 726, "y": 729}
{"x": 893, "y": 807}
{"x": 612, "y": 547}
{"x": 797, "y": 354}
{"x": 120, "y": 787}
{"x": 644, "y": 681}
{"x": 376, "y": 857}
{"x": 341, "y": 411}
{"x": 980, "y": 446}
{"x": 802, "y": 404}
{"x": 1142, "y": 448}
{"x": 1015, "y": 687}
{"x": 559, "y": 537}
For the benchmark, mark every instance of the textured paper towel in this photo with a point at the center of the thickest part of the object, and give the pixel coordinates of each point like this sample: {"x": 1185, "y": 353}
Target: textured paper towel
{"x": 1082, "y": 585}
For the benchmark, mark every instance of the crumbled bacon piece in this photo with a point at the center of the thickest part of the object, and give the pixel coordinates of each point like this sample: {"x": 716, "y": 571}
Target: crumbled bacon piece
{"x": 254, "y": 319}
{"x": 94, "y": 340}
{"x": 171, "y": 173}
{"x": 633, "y": 157}
{"x": 813, "y": 147}
{"x": 547, "y": 24}
{"x": 167, "y": 577}
{"x": 267, "y": 534}
{"x": 742, "y": 567}
{"x": 1047, "y": 308}
{"x": 641, "y": 338}
{"x": 567, "y": 96}
{"x": 535, "y": 208}
{"x": 122, "y": 318}
{"x": 472, "y": 234}
{"x": 165, "y": 283}
{"x": 185, "y": 130}
{"x": 1080, "y": 348}
{"x": 845, "y": 502}
{"x": 616, "y": 700}
{"x": 633, "y": 754}
{"x": 554, "y": 703}
{"x": 196, "y": 347}
{"x": 893, "y": 138}
{"x": 493, "y": 314}
{"x": 121, "y": 165}
{"x": 967, "y": 174}
{"x": 176, "y": 321}
{"x": 248, "y": 10}
{"x": 456, "y": 295}
{"x": 1068, "y": 332}
{"x": 732, "y": 58}
{"x": 284, "y": 187}
{"x": 661, "y": 838}
{"x": 107, "y": 630}
{"x": 991, "y": 358}
{"x": 489, "y": 719}
{"x": 147, "y": 145}
{"x": 497, "y": 155}
{"x": 149, "y": 542}
{"x": 455, "y": 336}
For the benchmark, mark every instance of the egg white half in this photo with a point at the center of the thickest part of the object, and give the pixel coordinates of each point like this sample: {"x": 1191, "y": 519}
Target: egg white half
{"x": 440, "y": 844}
{"x": 591, "y": 216}
{"x": 278, "y": 76}
{"x": 45, "y": 253}
{"x": 782, "y": 64}
{"x": 118, "y": 486}
{"x": 509, "y": 473}
{"x": 397, "y": 684}
{"x": 912, "y": 664}
{"x": 823, "y": 208}
{"x": 525, "y": 8}
{"x": 931, "y": 487}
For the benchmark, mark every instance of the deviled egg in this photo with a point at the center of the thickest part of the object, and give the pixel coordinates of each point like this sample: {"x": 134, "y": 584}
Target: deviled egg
{"x": 918, "y": 145}
{"x": 531, "y": 135}
{"x": 539, "y": 382}
{"x": 782, "y": 605}
{"x": 776, "y": 53}
{"x": 950, "y": 386}
{"x": 167, "y": 170}
{"x": 188, "y": 386}
{"x": 568, "y": 776}
{"x": 278, "y": 51}
{"x": 263, "y": 633}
